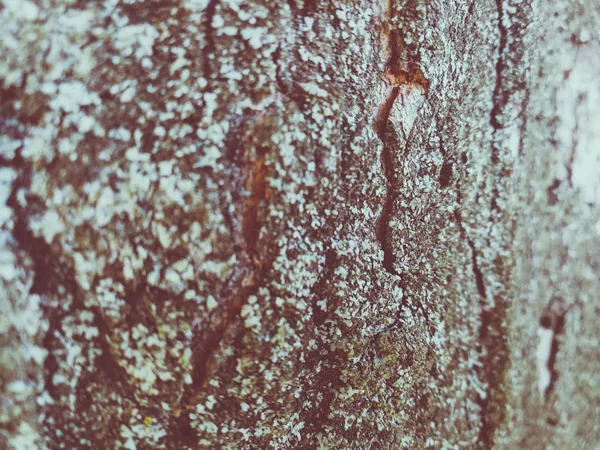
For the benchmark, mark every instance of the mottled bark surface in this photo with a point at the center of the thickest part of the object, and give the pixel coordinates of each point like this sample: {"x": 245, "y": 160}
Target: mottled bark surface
{"x": 302, "y": 224}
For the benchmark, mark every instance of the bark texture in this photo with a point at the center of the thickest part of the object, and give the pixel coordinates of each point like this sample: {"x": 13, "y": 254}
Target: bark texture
{"x": 340, "y": 224}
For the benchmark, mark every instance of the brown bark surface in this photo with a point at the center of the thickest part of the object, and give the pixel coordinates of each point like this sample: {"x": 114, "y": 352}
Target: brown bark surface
{"x": 305, "y": 224}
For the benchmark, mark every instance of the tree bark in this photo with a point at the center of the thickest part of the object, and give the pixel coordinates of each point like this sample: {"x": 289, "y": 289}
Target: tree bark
{"x": 303, "y": 224}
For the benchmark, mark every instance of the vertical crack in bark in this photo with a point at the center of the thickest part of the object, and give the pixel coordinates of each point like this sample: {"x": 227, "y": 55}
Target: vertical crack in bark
{"x": 205, "y": 343}
{"x": 287, "y": 87}
{"x": 487, "y": 318}
{"x": 523, "y": 117}
{"x": 381, "y": 126}
{"x": 499, "y": 97}
{"x": 209, "y": 50}
{"x": 492, "y": 336}
{"x": 478, "y": 275}
{"x": 323, "y": 284}
{"x": 553, "y": 319}
{"x": 575, "y": 139}
{"x": 486, "y": 433}
{"x": 471, "y": 8}
{"x": 320, "y": 389}
{"x": 402, "y": 64}
{"x": 51, "y": 273}
{"x": 210, "y": 331}
{"x": 275, "y": 57}
{"x": 37, "y": 251}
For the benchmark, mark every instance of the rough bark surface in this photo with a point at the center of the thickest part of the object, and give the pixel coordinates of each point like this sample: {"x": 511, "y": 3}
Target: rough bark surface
{"x": 304, "y": 224}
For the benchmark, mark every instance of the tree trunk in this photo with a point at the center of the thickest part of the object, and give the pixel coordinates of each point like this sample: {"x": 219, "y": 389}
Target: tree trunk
{"x": 306, "y": 224}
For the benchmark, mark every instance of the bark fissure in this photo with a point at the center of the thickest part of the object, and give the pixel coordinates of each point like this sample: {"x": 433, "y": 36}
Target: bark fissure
{"x": 209, "y": 50}
{"x": 286, "y": 87}
{"x": 575, "y": 140}
{"x": 50, "y": 275}
{"x": 523, "y": 117}
{"x": 382, "y": 125}
{"x": 499, "y": 98}
{"x": 477, "y": 274}
{"x": 207, "y": 340}
{"x": 554, "y": 320}
{"x": 499, "y": 95}
{"x": 487, "y": 427}
{"x": 244, "y": 282}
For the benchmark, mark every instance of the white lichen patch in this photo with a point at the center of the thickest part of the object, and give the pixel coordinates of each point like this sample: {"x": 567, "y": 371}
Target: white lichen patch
{"x": 27, "y": 438}
{"x": 544, "y": 348}
{"x": 578, "y": 135}
{"x": 136, "y": 40}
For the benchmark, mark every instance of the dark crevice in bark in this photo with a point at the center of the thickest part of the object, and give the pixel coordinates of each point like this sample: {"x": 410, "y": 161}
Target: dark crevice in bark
{"x": 471, "y": 7}
{"x": 321, "y": 290}
{"x": 492, "y": 334}
{"x": 5, "y": 162}
{"x": 275, "y": 57}
{"x": 488, "y": 320}
{"x": 209, "y": 332}
{"x": 446, "y": 173}
{"x": 388, "y": 139}
{"x": 207, "y": 339}
{"x": 51, "y": 274}
{"x": 477, "y": 272}
{"x": 310, "y": 7}
{"x": 402, "y": 64}
{"x": 523, "y": 117}
{"x": 209, "y": 49}
{"x": 155, "y": 11}
{"x": 107, "y": 359}
{"x": 287, "y": 87}
{"x": 499, "y": 97}
{"x": 558, "y": 330}
{"x": 348, "y": 132}
{"x": 321, "y": 391}
{"x": 553, "y": 319}
{"x": 488, "y": 372}
{"x": 552, "y": 196}
{"x": 494, "y": 355}
{"x": 495, "y": 352}
{"x": 575, "y": 140}
{"x": 393, "y": 62}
